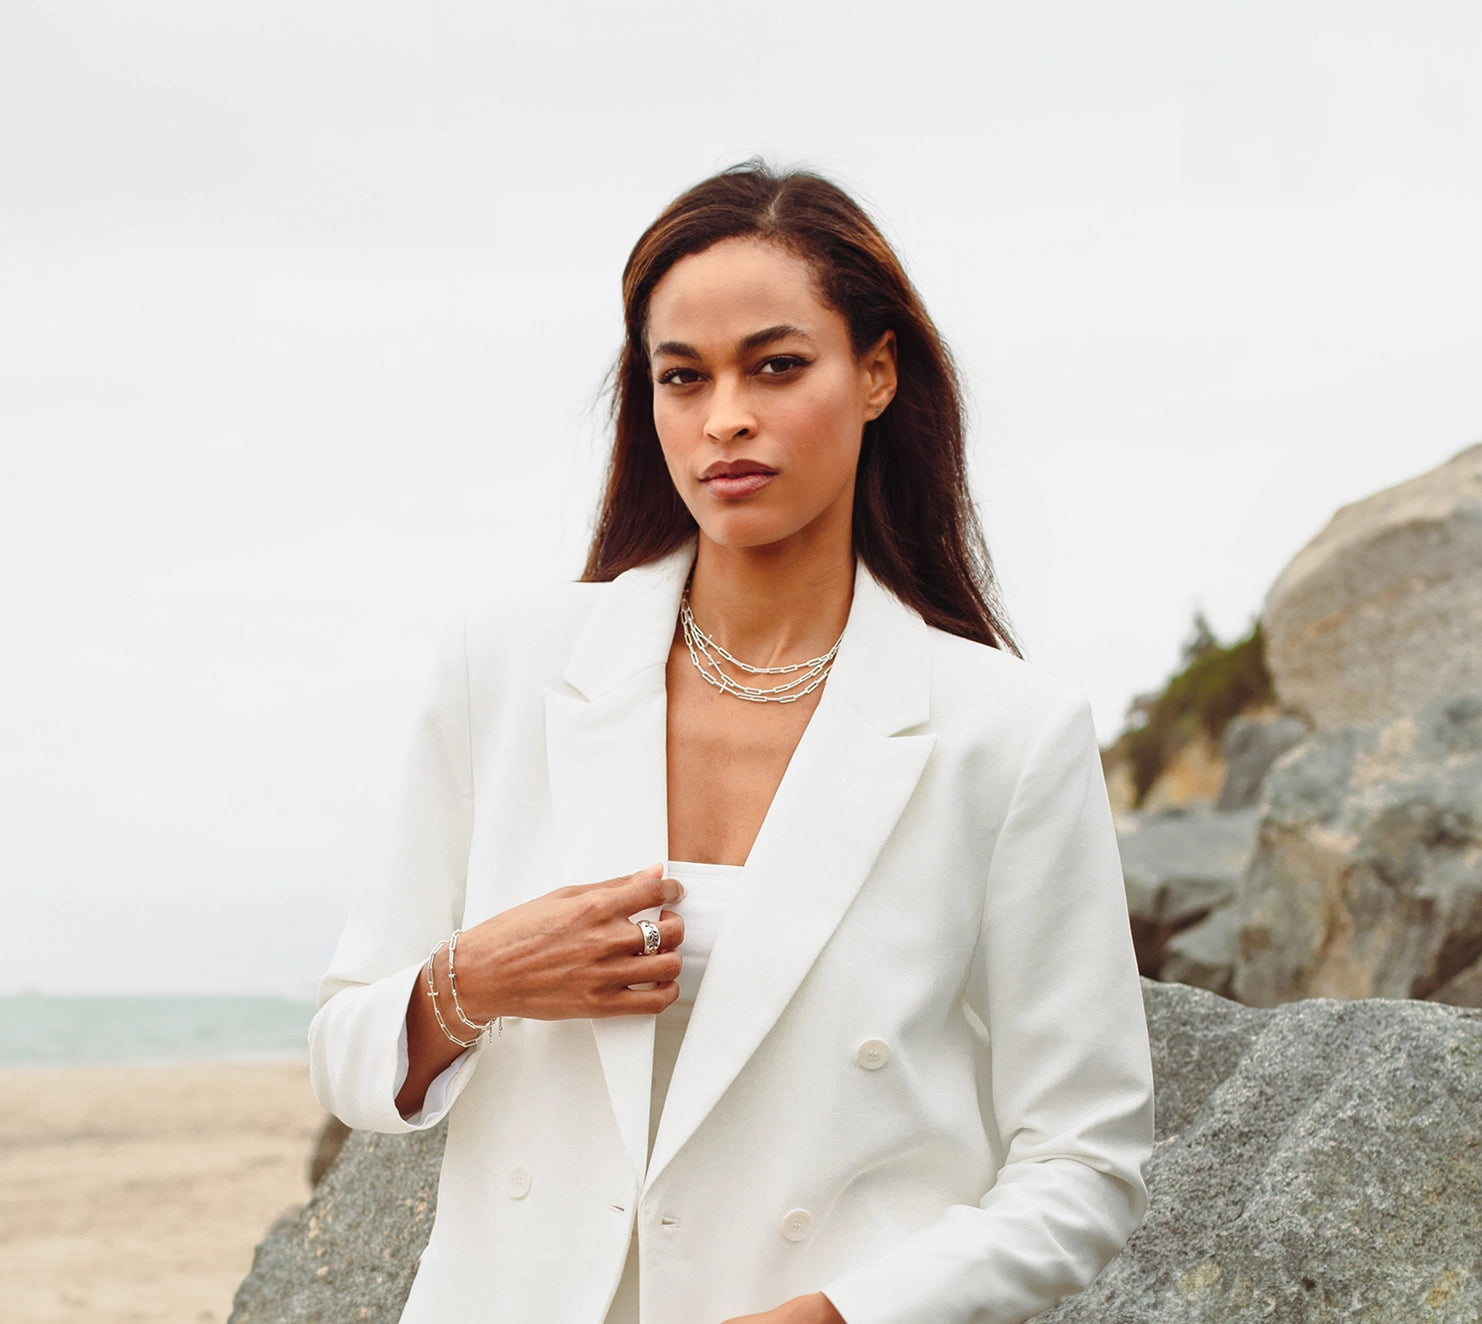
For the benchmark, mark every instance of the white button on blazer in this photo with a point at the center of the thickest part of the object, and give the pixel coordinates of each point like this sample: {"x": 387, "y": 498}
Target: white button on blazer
{"x": 934, "y": 896}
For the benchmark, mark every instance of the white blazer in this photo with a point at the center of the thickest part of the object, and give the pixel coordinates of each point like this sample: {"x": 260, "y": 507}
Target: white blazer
{"x": 916, "y": 1076}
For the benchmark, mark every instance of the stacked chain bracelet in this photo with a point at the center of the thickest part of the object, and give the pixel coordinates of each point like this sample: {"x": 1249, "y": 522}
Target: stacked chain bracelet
{"x": 479, "y": 1031}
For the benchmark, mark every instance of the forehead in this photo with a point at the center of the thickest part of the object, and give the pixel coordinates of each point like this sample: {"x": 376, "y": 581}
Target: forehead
{"x": 733, "y": 288}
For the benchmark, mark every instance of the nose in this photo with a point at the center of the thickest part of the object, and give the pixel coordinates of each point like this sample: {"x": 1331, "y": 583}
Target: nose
{"x": 730, "y": 417}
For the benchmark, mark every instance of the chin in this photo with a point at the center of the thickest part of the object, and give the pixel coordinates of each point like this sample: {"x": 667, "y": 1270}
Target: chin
{"x": 734, "y": 542}
{"x": 756, "y": 527}
{"x": 751, "y": 535}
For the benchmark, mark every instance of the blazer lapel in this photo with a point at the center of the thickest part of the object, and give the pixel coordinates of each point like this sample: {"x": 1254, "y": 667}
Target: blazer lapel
{"x": 607, "y": 757}
{"x": 852, "y": 770}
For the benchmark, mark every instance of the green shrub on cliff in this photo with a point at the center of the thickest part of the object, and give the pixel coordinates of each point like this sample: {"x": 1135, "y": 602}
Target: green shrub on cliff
{"x": 1216, "y": 683}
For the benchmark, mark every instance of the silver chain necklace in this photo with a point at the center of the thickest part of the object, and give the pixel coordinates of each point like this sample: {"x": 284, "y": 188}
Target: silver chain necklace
{"x": 708, "y": 656}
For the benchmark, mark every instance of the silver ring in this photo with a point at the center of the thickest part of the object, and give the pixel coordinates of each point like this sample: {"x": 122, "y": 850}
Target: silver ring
{"x": 651, "y": 938}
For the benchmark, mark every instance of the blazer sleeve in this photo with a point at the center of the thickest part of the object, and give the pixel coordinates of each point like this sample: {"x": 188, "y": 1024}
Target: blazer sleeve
{"x": 356, "y": 1049}
{"x": 1055, "y": 982}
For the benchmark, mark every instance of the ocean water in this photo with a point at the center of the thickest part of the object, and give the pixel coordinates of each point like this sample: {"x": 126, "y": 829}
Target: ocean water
{"x": 37, "y": 1030}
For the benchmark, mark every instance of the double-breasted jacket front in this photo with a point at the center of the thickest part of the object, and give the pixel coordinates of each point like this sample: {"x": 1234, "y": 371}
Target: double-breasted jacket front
{"x": 916, "y": 1075}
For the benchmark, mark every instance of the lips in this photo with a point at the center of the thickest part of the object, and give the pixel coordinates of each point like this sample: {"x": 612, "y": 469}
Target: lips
{"x": 736, "y": 478}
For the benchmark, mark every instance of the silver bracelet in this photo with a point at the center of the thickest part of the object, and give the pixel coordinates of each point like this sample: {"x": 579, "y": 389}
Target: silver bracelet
{"x": 436, "y": 1011}
{"x": 497, "y": 1022}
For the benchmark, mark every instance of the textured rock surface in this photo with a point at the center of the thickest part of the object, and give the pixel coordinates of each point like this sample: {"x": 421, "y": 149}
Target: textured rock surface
{"x": 351, "y": 1252}
{"x": 1367, "y": 877}
{"x": 1178, "y": 865}
{"x": 327, "y": 1145}
{"x": 1204, "y": 954}
{"x": 1463, "y": 990}
{"x": 1381, "y": 614}
{"x": 1249, "y": 747}
{"x": 1319, "y": 1162}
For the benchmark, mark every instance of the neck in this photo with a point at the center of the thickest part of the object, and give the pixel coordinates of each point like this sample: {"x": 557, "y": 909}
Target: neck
{"x": 771, "y": 606}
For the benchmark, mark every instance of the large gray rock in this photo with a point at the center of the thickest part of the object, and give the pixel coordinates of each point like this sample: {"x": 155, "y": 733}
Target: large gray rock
{"x": 1204, "y": 954}
{"x": 352, "y": 1251}
{"x": 327, "y": 1145}
{"x": 1367, "y": 877}
{"x": 1319, "y": 1162}
{"x": 1381, "y": 614}
{"x": 1179, "y": 865}
{"x": 1249, "y": 747}
{"x": 1463, "y": 990}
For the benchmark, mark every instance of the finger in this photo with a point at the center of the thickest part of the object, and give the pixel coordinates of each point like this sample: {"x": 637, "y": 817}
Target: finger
{"x": 624, "y": 937}
{"x": 638, "y": 1001}
{"x": 630, "y": 970}
{"x": 671, "y": 930}
{"x": 652, "y": 871}
{"x": 646, "y": 892}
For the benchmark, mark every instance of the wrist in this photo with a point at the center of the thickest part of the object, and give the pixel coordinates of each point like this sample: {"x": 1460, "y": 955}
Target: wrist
{"x": 440, "y": 975}
{"x": 478, "y": 1024}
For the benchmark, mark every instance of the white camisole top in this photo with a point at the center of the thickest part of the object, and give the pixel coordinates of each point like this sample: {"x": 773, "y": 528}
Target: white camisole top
{"x": 709, "y": 891}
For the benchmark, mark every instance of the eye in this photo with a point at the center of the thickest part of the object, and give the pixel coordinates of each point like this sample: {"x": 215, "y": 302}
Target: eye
{"x": 780, "y": 365}
{"x": 678, "y": 377}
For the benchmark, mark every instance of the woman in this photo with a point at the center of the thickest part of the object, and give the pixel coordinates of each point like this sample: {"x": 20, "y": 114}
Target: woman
{"x": 870, "y": 1048}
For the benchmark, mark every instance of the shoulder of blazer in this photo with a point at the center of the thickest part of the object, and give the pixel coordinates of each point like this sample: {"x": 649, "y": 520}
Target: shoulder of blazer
{"x": 538, "y": 636}
{"x": 527, "y": 624}
{"x": 989, "y": 704}
{"x": 967, "y": 674}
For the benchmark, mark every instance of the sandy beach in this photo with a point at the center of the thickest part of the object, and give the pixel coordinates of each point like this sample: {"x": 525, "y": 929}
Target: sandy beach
{"x": 138, "y": 1193}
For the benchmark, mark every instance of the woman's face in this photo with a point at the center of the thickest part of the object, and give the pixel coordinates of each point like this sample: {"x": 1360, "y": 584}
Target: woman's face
{"x": 759, "y": 399}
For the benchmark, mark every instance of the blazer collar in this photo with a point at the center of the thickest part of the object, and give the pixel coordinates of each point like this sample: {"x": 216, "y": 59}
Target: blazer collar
{"x": 606, "y": 755}
{"x": 882, "y": 669}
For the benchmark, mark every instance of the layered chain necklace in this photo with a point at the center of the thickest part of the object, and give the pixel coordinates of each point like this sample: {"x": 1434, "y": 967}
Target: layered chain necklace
{"x": 711, "y": 660}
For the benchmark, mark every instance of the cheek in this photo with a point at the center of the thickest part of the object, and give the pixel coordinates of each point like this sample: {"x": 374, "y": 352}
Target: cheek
{"x": 671, "y": 435}
{"x": 825, "y": 431}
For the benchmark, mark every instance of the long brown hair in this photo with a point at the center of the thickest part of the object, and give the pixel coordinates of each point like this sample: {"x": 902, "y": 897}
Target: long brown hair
{"x": 915, "y": 526}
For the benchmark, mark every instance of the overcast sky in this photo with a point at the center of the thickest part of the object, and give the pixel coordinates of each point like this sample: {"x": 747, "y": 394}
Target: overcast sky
{"x": 305, "y": 309}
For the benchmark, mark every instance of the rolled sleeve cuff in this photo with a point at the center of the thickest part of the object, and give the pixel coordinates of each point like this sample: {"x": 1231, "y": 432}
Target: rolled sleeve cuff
{"x": 358, "y": 1058}
{"x": 440, "y": 1093}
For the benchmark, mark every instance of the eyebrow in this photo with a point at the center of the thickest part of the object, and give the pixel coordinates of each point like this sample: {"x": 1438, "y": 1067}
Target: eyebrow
{"x": 678, "y": 349}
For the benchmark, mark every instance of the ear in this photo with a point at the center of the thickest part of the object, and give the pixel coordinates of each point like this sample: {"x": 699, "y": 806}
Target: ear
{"x": 878, "y": 367}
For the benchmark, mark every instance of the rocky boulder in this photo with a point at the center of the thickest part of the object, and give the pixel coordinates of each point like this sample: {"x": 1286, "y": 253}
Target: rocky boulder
{"x": 1249, "y": 747}
{"x": 1319, "y": 1162}
{"x": 1367, "y": 875}
{"x": 1204, "y": 953}
{"x": 327, "y": 1145}
{"x": 351, "y": 1252}
{"x": 1381, "y": 614}
{"x": 1178, "y": 866}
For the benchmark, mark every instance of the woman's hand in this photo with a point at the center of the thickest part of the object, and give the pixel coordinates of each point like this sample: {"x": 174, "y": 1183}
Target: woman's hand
{"x": 812, "y": 1309}
{"x": 574, "y": 953}
{"x": 569, "y": 954}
